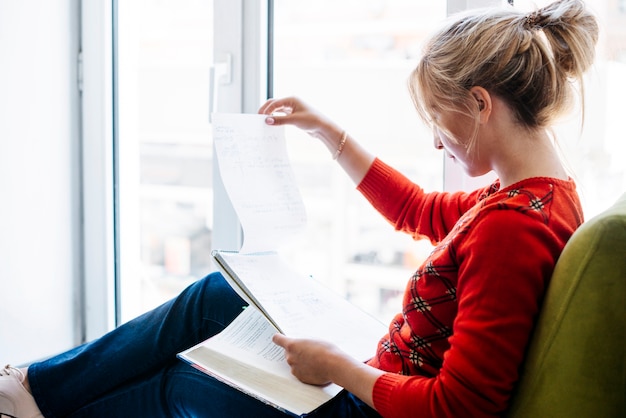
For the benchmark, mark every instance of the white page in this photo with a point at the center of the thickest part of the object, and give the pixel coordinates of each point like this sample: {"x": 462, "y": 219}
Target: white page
{"x": 304, "y": 307}
{"x": 257, "y": 174}
{"x": 250, "y": 335}
{"x": 245, "y": 345}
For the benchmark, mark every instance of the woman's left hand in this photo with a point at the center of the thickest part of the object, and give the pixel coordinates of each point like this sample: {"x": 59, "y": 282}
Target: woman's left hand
{"x": 309, "y": 359}
{"x": 318, "y": 363}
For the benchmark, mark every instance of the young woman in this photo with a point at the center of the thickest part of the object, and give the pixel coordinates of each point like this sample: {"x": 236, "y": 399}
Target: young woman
{"x": 490, "y": 84}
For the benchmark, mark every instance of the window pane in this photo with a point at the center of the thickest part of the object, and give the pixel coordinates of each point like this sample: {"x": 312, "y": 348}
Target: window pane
{"x": 351, "y": 59}
{"x": 165, "y": 52}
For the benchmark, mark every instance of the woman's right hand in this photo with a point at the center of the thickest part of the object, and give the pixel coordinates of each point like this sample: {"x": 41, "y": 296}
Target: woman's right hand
{"x": 293, "y": 111}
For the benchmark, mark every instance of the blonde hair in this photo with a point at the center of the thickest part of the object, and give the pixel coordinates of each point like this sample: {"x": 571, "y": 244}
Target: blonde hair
{"x": 527, "y": 60}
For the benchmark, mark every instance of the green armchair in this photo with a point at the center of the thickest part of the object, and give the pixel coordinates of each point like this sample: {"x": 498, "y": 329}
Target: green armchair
{"x": 576, "y": 363}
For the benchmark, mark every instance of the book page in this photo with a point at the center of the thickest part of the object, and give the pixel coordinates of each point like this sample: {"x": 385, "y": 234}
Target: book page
{"x": 244, "y": 356}
{"x": 256, "y": 171}
{"x": 301, "y": 306}
{"x": 250, "y": 336}
{"x": 257, "y": 174}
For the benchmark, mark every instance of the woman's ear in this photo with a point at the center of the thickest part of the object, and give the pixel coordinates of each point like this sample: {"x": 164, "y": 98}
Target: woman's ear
{"x": 483, "y": 102}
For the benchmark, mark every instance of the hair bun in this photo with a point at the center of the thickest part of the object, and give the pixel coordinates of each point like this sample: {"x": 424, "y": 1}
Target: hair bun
{"x": 532, "y": 20}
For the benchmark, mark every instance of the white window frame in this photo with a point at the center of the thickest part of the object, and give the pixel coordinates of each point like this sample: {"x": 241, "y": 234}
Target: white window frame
{"x": 241, "y": 35}
{"x": 98, "y": 168}
{"x": 240, "y": 51}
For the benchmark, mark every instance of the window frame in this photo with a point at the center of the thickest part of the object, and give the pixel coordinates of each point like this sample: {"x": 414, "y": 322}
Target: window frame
{"x": 98, "y": 175}
{"x": 241, "y": 32}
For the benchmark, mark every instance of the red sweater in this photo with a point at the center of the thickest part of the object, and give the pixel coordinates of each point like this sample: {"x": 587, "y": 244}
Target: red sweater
{"x": 469, "y": 310}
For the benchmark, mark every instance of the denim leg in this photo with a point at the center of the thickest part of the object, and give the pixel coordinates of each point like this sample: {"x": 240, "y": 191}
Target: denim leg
{"x": 141, "y": 397}
{"x": 191, "y": 393}
{"x": 176, "y": 391}
{"x": 138, "y": 351}
{"x": 344, "y": 405}
{"x": 180, "y": 391}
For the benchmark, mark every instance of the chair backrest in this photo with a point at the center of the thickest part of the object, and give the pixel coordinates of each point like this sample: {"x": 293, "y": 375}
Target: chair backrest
{"x": 576, "y": 363}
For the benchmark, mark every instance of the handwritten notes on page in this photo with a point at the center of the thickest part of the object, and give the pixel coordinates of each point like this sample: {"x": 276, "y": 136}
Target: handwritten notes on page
{"x": 256, "y": 172}
{"x": 302, "y": 307}
{"x": 258, "y": 178}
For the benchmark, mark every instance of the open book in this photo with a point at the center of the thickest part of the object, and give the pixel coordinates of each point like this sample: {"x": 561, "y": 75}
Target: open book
{"x": 258, "y": 178}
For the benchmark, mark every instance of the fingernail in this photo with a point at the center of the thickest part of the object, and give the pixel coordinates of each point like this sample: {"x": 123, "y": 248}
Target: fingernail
{"x": 269, "y": 121}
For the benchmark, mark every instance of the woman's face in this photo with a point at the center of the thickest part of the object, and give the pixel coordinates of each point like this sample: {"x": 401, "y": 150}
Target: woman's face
{"x": 453, "y": 132}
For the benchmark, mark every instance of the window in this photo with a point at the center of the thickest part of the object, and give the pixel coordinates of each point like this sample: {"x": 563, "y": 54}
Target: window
{"x": 165, "y": 158}
{"x": 351, "y": 60}
{"x": 168, "y": 53}
{"x": 165, "y": 51}
{"x": 348, "y": 58}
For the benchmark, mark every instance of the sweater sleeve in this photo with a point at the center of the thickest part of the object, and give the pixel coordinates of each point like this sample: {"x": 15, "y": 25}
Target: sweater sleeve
{"x": 503, "y": 272}
{"x": 408, "y": 208}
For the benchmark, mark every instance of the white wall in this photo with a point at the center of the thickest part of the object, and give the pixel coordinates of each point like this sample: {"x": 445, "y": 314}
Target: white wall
{"x": 39, "y": 178}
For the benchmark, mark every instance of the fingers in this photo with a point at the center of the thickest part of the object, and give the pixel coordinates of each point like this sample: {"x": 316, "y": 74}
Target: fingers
{"x": 284, "y": 342}
{"x": 288, "y": 110}
{"x": 303, "y": 356}
{"x": 285, "y": 105}
{"x": 280, "y": 340}
{"x": 293, "y": 111}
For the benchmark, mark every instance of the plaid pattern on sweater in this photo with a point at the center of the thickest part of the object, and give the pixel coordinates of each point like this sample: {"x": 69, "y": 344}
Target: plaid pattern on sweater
{"x": 468, "y": 311}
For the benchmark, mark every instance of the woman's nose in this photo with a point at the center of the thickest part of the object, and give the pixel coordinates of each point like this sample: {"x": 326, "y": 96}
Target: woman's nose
{"x": 436, "y": 141}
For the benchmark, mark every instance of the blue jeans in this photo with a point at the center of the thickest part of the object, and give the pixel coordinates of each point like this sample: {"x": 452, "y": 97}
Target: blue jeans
{"x": 133, "y": 371}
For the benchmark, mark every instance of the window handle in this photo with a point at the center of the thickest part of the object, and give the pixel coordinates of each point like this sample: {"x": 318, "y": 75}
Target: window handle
{"x": 220, "y": 72}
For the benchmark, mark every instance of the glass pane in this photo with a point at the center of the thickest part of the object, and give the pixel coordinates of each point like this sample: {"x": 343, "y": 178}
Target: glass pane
{"x": 351, "y": 59}
{"x": 165, "y": 52}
